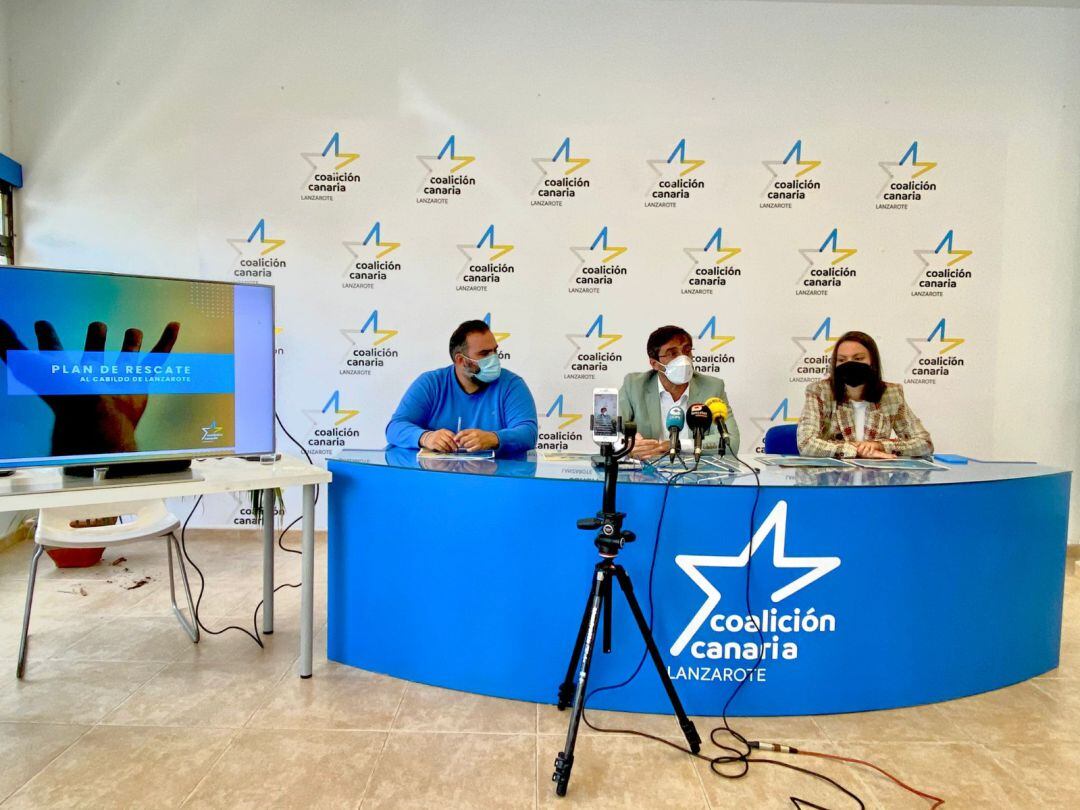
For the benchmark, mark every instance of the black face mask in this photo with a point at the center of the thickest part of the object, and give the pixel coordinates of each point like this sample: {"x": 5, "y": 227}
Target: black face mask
{"x": 855, "y": 374}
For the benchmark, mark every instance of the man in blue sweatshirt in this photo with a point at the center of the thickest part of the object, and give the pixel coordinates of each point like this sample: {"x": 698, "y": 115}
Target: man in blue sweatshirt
{"x": 471, "y": 405}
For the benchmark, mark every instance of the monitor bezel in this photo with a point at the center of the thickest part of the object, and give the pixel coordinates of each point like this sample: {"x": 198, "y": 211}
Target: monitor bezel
{"x": 110, "y": 459}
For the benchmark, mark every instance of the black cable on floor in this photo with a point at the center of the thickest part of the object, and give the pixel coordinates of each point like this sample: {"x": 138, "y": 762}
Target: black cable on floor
{"x": 256, "y": 636}
{"x": 733, "y": 755}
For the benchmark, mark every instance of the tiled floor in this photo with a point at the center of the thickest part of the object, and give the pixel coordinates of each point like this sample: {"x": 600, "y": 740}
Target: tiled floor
{"x": 118, "y": 708}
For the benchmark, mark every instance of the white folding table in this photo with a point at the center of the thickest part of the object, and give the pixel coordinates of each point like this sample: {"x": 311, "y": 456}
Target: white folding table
{"x": 41, "y": 488}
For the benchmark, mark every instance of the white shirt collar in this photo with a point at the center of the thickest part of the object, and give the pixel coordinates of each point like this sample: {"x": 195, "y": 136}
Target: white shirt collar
{"x": 667, "y": 402}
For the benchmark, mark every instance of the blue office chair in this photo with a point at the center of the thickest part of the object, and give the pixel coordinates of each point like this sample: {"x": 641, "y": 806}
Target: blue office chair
{"x": 780, "y": 439}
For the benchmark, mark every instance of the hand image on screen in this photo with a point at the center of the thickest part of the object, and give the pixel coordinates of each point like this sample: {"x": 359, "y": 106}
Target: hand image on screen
{"x": 87, "y": 424}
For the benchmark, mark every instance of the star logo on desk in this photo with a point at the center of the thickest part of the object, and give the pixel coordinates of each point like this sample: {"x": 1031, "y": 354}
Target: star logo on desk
{"x": 331, "y": 159}
{"x": 941, "y": 258}
{"x": 908, "y": 168}
{"x": 447, "y": 160}
{"x": 212, "y": 433}
{"x": 371, "y": 249}
{"x": 817, "y": 345}
{"x": 485, "y": 251}
{"x": 257, "y": 243}
{"x": 776, "y": 525}
{"x": 792, "y": 167}
{"x": 595, "y": 339}
{"x": 714, "y": 254}
{"x": 332, "y": 412}
{"x": 829, "y": 254}
{"x": 561, "y": 165}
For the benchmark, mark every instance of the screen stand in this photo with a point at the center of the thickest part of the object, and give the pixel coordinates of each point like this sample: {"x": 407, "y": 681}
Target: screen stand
{"x": 101, "y": 472}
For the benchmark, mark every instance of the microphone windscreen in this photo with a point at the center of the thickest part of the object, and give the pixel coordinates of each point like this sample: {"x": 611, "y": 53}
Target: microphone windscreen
{"x": 717, "y": 407}
{"x": 698, "y": 416}
{"x": 675, "y": 418}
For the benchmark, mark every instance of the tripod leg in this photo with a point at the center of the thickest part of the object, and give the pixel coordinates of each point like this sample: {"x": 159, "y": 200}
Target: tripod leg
{"x": 607, "y": 614}
{"x": 685, "y": 723}
{"x": 564, "y": 762}
{"x": 566, "y": 688}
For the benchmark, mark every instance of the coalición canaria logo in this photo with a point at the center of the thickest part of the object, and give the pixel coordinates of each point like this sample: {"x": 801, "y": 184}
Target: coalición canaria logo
{"x": 591, "y": 355}
{"x": 781, "y": 415}
{"x": 500, "y": 338}
{"x": 445, "y": 174}
{"x": 675, "y": 180}
{"x": 936, "y": 357}
{"x": 711, "y": 267}
{"x": 562, "y": 177}
{"x": 557, "y": 426}
{"x": 907, "y": 182}
{"x": 253, "y": 253}
{"x": 596, "y": 266}
{"x": 789, "y": 182}
{"x": 328, "y": 174}
{"x": 944, "y": 268}
{"x": 485, "y": 264}
{"x": 828, "y": 267}
{"x": 711, "y": 354}
{"x": 371, "y": 261}
{"x": 367, "y": 350}
{"x": 812, "y": 361}
{"x": 330, "y": 426}
{"x": 244, "y": 515}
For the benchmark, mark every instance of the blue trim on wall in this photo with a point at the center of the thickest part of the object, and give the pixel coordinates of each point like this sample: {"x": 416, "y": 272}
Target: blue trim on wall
{"x": 10, "y": 171}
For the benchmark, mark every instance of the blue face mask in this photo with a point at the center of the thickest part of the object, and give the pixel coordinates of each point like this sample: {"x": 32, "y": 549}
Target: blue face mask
{"x": 490, "y": 368}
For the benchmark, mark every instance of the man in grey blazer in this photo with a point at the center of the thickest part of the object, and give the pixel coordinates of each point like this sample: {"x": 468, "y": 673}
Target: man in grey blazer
{"x": 646, "y": 397}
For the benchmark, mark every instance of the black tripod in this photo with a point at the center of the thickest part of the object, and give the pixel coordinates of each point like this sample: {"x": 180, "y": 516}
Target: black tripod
{"x": 610, "y": 538}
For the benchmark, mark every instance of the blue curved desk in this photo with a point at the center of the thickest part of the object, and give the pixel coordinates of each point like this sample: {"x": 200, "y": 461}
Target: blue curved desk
{"x": 873, "y": 589}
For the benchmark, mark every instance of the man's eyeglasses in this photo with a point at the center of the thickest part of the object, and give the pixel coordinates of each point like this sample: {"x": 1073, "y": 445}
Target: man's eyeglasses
{"x": 673, "y": 353}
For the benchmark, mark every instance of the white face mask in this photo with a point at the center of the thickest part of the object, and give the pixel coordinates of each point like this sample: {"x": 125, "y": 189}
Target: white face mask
{"x": 680, "y": 370}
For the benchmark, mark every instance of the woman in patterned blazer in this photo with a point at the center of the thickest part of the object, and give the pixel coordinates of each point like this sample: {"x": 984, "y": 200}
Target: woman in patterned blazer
{"x": 853, "y": 413}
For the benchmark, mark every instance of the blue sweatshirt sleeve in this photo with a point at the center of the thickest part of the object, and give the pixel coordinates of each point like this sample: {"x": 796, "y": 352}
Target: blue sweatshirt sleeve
{"x": 520, "y": 432}
{"x": 413, "y": 414}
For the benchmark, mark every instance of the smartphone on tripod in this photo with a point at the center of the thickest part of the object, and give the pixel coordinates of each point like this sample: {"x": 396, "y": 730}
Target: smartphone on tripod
{"x": 605, "y": 415}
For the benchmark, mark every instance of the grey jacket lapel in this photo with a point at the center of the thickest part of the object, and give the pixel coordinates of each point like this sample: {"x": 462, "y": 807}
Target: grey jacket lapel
{"x": 651, "y": 418}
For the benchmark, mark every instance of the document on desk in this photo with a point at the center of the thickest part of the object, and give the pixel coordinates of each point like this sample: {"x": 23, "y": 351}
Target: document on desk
{"x": 801, "y": 461}
{"x": 897, "y": 464}
{"x": 563, "y": 457}
{"x": 462, "y": 455}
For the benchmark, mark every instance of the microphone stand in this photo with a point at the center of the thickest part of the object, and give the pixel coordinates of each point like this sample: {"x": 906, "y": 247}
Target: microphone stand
{"x": 609, "y": 540}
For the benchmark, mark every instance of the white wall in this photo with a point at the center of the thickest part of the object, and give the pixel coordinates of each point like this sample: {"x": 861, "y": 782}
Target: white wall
{"x": 5, "y": 75}
{"x": 112, "y": 103}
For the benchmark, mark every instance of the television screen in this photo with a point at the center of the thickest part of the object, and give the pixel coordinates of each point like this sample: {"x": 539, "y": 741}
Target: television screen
{"x": 101, "y": 368}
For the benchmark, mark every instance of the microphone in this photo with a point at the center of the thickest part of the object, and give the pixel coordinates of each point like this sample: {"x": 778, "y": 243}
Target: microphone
{"x": 700, "y": 420}
{"x": 720, "y": 412}
{"x": 675, "y": 421}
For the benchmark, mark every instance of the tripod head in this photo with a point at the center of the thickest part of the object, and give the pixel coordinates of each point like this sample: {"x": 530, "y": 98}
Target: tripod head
{"x": 610, "y": 535}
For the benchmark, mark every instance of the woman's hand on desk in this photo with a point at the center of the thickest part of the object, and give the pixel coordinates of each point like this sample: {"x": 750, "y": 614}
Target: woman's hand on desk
{"x": 872, "y": 450}
{"x": 439, "y": 441}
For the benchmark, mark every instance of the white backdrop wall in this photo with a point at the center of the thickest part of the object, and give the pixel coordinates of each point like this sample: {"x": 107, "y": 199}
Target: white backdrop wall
{"x": 5, "y": 73}
{"x": 155, "y": 138}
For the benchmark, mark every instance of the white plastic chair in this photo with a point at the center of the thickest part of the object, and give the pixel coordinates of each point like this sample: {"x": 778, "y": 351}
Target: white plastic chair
{"x": 150, "y": 520}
